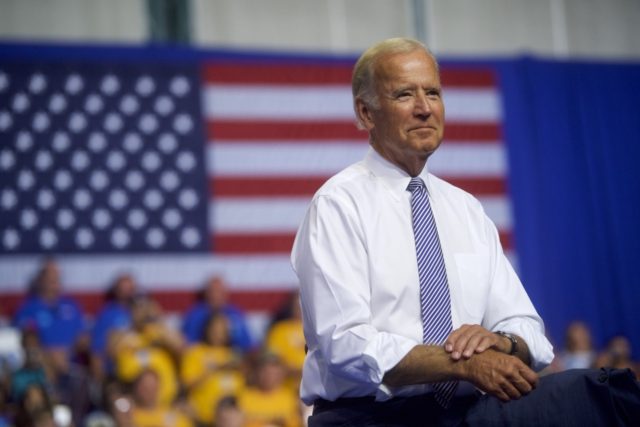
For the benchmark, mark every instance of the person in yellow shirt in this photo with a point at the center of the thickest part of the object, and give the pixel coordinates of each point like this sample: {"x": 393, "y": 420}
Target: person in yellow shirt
{"x": 210, "y": 368}
{"x": 228, "y": 413}
{"x": 270, "y": 402}
{"x": 148, "y": 344}
{"x": 285, "y": 339}
{"x": 147, "y": 411}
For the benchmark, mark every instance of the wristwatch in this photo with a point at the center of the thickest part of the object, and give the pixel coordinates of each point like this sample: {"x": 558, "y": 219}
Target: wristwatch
{"x": 512, "y": 338}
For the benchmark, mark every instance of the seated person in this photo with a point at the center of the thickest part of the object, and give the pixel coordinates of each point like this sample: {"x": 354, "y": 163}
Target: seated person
{"x": 210, "y": 368}
{"x": 578, "y": 352}
{"x": 269, "y": 401}
{"x": 147, "y": 410}
{"x": 148, "y": 344}
{"x": 285, "y": 339}
{"x": 115, "y": 314}
{"x": 214, "y": 297}
{"x": 33, "y": 369}
{"x": 34, "y": 406}
{"x": 57, "y": 318}
{"x": 69, "y": 383}
{"x": 617, "y": 355}
{"x": 228, "y": 413}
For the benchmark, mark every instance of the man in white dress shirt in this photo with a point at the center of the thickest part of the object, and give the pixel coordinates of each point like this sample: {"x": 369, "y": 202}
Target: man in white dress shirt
{"x": 355, "y": 257}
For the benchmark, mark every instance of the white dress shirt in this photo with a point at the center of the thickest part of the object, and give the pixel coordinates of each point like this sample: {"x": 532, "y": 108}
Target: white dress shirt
{"x": 355, "y": 258}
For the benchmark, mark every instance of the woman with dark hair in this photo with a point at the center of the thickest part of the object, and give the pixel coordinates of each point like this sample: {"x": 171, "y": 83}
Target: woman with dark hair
{"x": 210, "y": 368}
{"x": 33, "y": 405}
{"x": 115, "y": 314}
{"x": 214, "y": 296}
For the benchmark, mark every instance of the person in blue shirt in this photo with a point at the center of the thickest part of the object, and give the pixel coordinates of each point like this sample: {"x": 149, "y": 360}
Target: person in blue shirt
{"x": 214, "y": 297}
{"x": 115, "y": 314}
{"x": 58, "y": 319}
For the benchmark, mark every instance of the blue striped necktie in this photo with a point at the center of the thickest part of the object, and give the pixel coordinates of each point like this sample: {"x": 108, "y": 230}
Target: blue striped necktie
{"x": 435, "y": 304}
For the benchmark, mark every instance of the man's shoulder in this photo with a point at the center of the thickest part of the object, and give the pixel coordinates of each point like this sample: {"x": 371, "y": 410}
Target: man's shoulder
{"x": 348, "y": 179}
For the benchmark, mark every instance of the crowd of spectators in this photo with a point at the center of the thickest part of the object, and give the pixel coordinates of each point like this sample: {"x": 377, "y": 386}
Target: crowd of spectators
{"x": 130, "y": 367}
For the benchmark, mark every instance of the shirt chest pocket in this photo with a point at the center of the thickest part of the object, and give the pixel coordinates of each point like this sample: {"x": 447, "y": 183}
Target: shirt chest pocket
{"x": 473, "y": 281}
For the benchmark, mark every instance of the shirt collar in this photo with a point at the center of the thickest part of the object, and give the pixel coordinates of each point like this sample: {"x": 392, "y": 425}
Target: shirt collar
{"x": 393, "y": 177}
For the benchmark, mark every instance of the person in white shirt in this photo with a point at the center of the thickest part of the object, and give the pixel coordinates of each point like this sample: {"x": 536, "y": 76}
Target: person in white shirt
{"x": 355, "y": 257}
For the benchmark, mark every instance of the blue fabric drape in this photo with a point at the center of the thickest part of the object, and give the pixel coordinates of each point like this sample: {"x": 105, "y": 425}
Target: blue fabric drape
{"x": 573, "y": 135}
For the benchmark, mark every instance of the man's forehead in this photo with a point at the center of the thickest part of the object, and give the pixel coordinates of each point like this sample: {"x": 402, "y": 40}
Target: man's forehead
{"x": 406, "y": 68}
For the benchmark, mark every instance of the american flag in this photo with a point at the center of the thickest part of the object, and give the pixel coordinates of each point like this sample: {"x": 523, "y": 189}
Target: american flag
{"x": 175, "y": 171}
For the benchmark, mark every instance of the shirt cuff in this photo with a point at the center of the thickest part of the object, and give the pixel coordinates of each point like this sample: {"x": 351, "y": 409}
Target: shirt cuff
{"x": 382, "y": 354}
{"x": 540, "y": 349}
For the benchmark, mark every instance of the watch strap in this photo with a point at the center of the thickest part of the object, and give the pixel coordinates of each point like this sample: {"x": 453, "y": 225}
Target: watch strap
{"x": 512, "y": 338}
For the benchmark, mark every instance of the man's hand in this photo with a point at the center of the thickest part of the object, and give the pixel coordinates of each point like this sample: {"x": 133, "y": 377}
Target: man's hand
{"x": 498, "y": 374}
{"x": 467, "y": 340}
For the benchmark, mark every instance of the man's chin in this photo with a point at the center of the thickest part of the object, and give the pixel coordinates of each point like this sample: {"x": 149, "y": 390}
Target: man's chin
{"x": 427, "y": 147}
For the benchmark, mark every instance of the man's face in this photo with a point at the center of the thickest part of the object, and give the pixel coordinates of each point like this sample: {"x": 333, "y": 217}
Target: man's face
{"x": 408, "y": 125}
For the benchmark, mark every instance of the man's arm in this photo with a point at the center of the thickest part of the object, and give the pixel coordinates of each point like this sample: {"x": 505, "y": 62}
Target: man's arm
{"x": 468, "y": 340}
{"x": 494, "y": 372}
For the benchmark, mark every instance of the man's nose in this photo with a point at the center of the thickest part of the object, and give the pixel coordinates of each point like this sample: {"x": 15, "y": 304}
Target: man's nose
{"x": 422, "y": 105}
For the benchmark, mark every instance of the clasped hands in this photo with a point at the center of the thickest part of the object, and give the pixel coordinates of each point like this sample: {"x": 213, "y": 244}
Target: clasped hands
{"x": 481, "y": 357}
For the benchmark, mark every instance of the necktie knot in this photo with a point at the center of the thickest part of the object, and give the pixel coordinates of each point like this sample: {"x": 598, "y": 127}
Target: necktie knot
{"x": 415, "y": 184}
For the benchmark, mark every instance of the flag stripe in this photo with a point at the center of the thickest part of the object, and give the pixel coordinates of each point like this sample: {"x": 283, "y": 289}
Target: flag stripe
{"x": 177, "y": 300}
{"x": 156, "y": 271}
{"x": 239, "y": 243}
{"x": 249, "y": 215}
{"x": 328, "y": 102}
{"x": 249, "y": 159}
{"x": 291, "y": 74}
{"x": 331, "y": 130}
{"x": 258, "y": 215}
{"x": 248, "y": 73}
{"x": 284, "y": 186}
{"x": 274, "y": 243}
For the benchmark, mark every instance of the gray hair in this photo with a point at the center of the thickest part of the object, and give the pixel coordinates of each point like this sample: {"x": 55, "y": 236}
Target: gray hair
{"x": 363, "y": 77}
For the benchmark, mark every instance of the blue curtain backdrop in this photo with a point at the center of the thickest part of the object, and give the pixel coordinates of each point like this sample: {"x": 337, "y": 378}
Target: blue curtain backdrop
{"x": 573, "y": 135}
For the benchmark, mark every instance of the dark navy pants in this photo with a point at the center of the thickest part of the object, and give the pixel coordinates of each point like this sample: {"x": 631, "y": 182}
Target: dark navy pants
{"x": 581, "y": 397}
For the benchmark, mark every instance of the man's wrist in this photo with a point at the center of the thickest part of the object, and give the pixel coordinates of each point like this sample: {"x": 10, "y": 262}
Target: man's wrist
{"x": 511, "y": 341}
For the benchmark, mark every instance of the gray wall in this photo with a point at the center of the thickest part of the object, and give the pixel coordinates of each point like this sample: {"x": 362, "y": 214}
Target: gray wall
{"x": 593, "y": 28}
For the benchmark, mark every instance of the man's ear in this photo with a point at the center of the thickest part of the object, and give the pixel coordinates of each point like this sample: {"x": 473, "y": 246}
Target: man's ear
{"x": 363, "y": 112}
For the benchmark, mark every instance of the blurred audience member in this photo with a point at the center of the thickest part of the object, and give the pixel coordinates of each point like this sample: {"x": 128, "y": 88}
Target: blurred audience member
{"x": 116, "y": 313}
{"x": 578, "y": 352}
{"x": 285, "y": 339}
{"x": 150, "y": 343}
{"x": 214, "y": 297}
{"x": 6, "y": 410}
{"x": 32, "y": 371}
{"x": 34, "y": 407}
{"x": 147, "y": 411}
{"x": 69, "y": 383}
{"x": 11, "y": 356}
{"x": 210, "y": 368}
{"x": 228, "y": 413}
{"x": 617, "y": 355}
{"x": 57, "y": 318}
{"x": 269, "y": 402}
{"x": 115, "y": 410}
